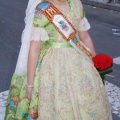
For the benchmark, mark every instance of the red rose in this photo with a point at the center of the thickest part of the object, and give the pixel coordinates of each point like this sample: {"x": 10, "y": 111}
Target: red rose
{"x": 102, "y": 61}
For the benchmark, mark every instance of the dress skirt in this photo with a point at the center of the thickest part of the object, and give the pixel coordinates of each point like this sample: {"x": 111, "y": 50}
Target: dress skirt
{"x": 66, "y": 87}
{"x": 71, "y": 88}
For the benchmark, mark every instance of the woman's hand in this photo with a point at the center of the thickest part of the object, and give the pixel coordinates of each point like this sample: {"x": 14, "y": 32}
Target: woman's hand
{"x": 29, "y": 92}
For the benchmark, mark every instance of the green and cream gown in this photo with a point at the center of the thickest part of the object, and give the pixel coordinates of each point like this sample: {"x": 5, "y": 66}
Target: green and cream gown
{"x": 66, "y": 84}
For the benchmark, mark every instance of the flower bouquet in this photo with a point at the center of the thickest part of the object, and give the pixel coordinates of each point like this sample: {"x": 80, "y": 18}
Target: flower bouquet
{"x": 103, "y": 63}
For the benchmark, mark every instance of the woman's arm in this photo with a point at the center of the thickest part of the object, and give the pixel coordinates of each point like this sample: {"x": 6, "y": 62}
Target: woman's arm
{"x": 32, "y": 60}
{"x": 86, "y": 39}
{"x": 32, "y": 63}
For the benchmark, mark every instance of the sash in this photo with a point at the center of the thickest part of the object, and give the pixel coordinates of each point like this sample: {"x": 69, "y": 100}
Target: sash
{"x": 63, "y": 25}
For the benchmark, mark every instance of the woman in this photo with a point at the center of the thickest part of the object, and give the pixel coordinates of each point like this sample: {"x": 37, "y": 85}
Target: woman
{"x": 58, "y": 83}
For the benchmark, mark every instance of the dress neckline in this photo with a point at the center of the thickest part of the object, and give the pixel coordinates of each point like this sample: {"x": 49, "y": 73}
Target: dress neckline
{"x": 70, "y": 5}
{"x": 68, "y": 14}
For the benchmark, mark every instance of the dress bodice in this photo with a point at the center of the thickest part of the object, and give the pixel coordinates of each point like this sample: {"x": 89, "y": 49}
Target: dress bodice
{"x": 75, "y": 16}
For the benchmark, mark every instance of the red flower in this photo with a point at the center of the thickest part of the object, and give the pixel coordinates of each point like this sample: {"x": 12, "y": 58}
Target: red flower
{"x": 102, "y": 61}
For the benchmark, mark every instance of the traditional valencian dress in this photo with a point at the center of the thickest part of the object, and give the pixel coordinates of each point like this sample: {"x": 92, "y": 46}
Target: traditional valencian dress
{"x": 66, "y": 84}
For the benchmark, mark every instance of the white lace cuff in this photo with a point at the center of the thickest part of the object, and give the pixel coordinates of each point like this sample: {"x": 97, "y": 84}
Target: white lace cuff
{"x": 83, "y": 25}
{"x": 39, "y": 34}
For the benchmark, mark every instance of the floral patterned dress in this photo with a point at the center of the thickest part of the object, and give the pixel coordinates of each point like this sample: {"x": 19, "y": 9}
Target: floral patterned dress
{"x": 66, "y": 84}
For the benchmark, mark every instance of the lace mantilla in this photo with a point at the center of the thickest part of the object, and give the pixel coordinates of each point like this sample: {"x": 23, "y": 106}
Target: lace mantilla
{"x": 84, "y": 25}
{"x": 39, "y": 34}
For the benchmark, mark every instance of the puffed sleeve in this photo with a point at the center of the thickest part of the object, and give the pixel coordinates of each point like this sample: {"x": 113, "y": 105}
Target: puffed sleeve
{"x": 83, "y": 24}
{"x": 39, "y": 32}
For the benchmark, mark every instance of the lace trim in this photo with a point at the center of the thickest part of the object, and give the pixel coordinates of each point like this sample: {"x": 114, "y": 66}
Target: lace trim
{"x": 39, "y": 34}
{"x": 84, "y": 25}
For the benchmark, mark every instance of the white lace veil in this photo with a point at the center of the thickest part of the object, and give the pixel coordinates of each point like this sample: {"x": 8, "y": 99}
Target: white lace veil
{"x": 21, "y": 66}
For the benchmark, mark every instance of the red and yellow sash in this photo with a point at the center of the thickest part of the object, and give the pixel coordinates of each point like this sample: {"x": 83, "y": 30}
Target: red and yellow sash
{"x": 63, "y": 25}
